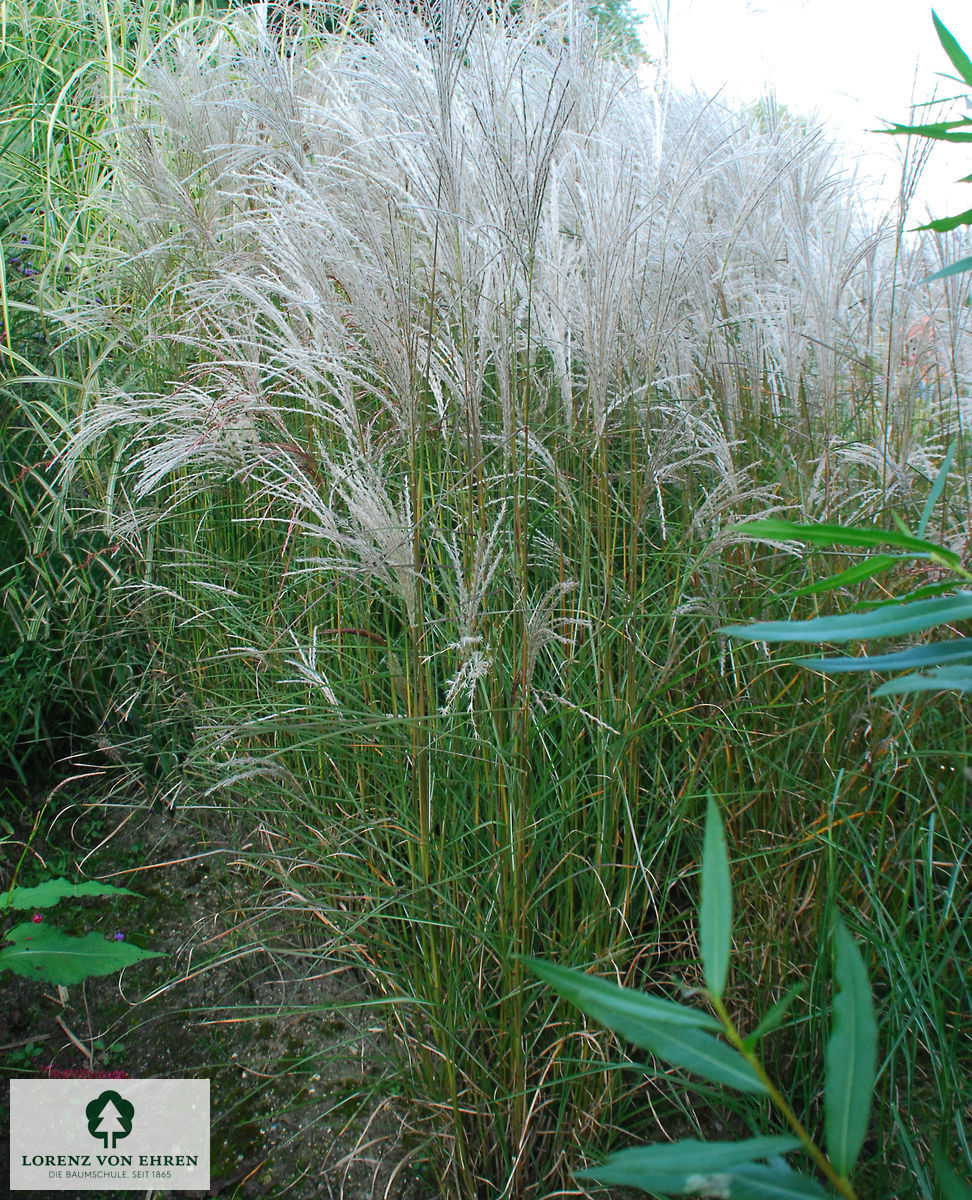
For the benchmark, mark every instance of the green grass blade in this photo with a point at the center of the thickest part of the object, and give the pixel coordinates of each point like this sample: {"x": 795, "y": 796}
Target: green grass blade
{"x": 715, "y": 904}
{"x": 900, "y": 525}
{"x": 960, "y": 60}
{"x": 951, "y": 1185}
{"x": 850, "y": 1057}
{"x": 859, "y": 627}
{"x": 939, "y": 485}
{"x": 675, "y": 1167}
{"x": 630, "y": 1013}
{"x": 774, "y": 1016}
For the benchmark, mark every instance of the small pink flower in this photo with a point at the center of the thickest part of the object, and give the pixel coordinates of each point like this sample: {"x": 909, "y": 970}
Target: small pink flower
{"x": 37, "y": 918}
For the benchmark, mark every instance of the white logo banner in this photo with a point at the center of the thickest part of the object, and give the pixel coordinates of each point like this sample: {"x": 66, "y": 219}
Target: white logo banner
{"x": 109, "y": 1134}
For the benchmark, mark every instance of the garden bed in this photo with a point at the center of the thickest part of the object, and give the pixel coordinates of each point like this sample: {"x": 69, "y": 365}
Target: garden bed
{"x": 291, "y": 1065}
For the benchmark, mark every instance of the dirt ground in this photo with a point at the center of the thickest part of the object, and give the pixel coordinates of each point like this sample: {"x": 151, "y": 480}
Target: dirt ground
{"x": 294, "y": 1053}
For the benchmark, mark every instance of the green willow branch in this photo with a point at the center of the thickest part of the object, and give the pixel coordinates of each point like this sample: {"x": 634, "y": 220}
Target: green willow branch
{"x": 840, "y": 1184}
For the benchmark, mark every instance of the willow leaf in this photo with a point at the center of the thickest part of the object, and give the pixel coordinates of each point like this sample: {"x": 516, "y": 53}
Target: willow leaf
{"x": 955, "y": 268}
{"x": 759, "y": 1182}
{"x": 928, "y": 590}
{"x": 960, "y": 60}
{"x": 676, "y": 1167}
{"x": 822, "y": 534}
{"x": 939, "y": 131}
{"x": 950, "y": 1183}
{"x": 860, "y": 627}
{"x": 945, "y": 679}
{"x": 850, "y": 1057}
{"x": 873, "y": 565}
{"x": 946, "y": 224}
{"x": 774, "y": 1016}
{"x": 931, "y": 655}
{"x": 630, "y": 1013}
{"x": 703, "y": 1055}
{"x": 715, "y": 903}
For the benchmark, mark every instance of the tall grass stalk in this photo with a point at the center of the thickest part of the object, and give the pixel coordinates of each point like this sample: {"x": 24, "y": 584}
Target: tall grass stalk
{"x": 416, "y": 376}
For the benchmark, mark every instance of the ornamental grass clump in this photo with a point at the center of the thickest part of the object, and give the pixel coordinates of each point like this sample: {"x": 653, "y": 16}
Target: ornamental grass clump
{"x": 422, "y": 375}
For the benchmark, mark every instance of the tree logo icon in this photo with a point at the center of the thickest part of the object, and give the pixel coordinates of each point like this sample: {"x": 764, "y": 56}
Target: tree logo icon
{"x": 110, "y": 1116}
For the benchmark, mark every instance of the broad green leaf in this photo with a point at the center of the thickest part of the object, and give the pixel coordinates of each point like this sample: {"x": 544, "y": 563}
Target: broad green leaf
{"x": 951, "y": 1185}
{"x": 939, "y": 485}
{"x": 671, "y": 1032}
{"x": 939, "y": 131}
{"x": 960, "y": 60}
{"x": 759, "y": 1182}
{"x": 703, "y": 1055}
{"x": 675, "y": 1167}
{"x": 658, "y": 1183}
{"x": 46, "y": 953}
{"x": 945, "y": 224}
{"x": 859, "y": 627}
{"x": 955, "y": 268}
{"x": 774, "y": 1017}
{"x": 715, "y": 904}
{"x": 850, "y": 1057}
{"x": 630, "y": 1013}
{"x": 931, "y": 655}
{"x": 47, "y": 894}
{"x": 873, "y": 565}
{"x": 945, "y": 679}
{"x": 821, "y": 534}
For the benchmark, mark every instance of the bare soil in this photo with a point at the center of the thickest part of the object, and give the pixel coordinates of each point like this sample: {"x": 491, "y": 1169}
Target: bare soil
{"x": 297, "y": 1060}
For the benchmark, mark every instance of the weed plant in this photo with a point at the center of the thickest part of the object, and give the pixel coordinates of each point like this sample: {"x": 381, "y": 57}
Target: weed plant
{"x": 417, "y": 379}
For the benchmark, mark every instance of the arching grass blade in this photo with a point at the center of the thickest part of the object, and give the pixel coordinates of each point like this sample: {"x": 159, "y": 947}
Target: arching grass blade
{"x": 939, "y": 485}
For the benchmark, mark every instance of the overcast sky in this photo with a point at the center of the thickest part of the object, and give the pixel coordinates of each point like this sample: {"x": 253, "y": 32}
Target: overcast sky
{"x": 857, "y": 63}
